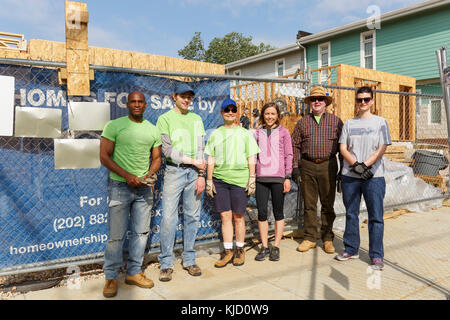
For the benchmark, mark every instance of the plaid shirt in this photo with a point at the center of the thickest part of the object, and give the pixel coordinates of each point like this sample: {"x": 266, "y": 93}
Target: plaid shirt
{"x": 316, "y": 141}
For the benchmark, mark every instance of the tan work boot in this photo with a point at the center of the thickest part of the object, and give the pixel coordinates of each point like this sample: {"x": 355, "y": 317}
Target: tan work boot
{"x": 239, "y": 257}
{"x": 227, "y": 256}
{"x": 306, "y": 245}
{"x": 139, "y": 280}
{"x": 328, "y": 246}
{"x": 110, "y": 288}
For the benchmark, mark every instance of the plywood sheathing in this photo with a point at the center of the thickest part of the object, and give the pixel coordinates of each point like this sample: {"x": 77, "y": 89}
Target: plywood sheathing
{"x": 45, "y": 50}
{"x": 388, "y": 105}
{"x": 77, "y": 48}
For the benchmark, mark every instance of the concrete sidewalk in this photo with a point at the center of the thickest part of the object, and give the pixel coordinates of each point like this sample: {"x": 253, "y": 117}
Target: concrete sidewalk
{"x": 417, "y": 266}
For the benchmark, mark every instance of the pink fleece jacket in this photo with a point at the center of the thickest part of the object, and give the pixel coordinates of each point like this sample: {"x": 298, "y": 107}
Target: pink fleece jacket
{"x": 275, "y": 158}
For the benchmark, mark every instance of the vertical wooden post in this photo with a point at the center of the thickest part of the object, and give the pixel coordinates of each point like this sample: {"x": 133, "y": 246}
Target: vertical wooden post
{"x": 77, "y": 49}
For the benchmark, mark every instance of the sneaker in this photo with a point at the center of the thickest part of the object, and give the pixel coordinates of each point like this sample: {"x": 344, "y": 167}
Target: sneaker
{"x": 377, "y": 264}
{"x": 274, "y": 254}
{"x": 193, "y": 270}
{"x": 139, "y": 280}
{"x": 262, "y": 254}
{"x": 165, "y": 274}
{"x": 344, "y": 256}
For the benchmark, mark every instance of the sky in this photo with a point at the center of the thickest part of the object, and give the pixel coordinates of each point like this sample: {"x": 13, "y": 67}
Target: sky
{"x": 164, "y": 27}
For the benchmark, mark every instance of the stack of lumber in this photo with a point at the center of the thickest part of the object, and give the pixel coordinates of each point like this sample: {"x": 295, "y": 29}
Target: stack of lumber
{"x": 396, "y": 153}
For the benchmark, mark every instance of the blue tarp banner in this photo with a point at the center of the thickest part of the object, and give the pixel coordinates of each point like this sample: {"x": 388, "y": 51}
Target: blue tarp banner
{"x": 48, "y": 214}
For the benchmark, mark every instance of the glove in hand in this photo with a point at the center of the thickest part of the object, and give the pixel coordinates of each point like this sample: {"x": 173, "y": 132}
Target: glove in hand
{"x": 210, "y": 189}
{"x": 296, "y": 175}
{"x": 251, "y": 186}
{"x": 149, "y": 179}
{"x": 363, "y": 170}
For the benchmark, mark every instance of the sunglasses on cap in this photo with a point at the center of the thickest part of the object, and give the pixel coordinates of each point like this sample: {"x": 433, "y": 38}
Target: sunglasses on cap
{"x": 230, "y": 109}
{"x": 366, "y": 100}
{"x": 314, "y": 99}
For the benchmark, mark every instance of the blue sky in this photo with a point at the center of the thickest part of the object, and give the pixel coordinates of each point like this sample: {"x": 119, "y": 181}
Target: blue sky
{"x": 164, "y": 27}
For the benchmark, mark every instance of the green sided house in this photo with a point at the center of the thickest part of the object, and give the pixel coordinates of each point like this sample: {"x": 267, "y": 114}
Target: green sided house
{"x": 401, "y": 42}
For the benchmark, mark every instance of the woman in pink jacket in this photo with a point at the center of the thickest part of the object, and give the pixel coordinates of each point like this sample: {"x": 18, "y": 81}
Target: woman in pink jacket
{"x": 273, "y": 175}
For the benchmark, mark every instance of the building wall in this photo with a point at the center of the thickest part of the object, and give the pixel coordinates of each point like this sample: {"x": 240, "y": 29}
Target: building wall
{"x": 426, "y": 129}
{"x": 266, "y": 68}
{"x": 405, "y": 46}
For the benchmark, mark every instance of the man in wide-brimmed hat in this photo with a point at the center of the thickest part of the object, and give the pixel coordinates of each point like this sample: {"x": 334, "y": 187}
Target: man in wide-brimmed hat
{"x": 315, "y": 168}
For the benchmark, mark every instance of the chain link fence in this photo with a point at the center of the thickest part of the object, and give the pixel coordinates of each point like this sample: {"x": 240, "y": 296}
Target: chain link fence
{"x": 51, "y": 218}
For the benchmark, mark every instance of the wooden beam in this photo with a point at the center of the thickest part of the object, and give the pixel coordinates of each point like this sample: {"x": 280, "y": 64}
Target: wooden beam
{"x": 77, "y": 48}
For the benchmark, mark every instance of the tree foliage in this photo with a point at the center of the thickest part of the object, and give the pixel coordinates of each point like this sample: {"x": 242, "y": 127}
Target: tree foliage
{"x": 194, "y": 50}
{"x": 233, "y": 46}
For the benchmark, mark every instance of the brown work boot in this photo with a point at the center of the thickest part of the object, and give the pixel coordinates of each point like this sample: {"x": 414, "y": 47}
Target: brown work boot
{"x": 239, "y": 257}
{"x": 139, "y": 280}
{"x": 227, "y": 257}
{"x": 110, "y": 288}
{"x": 328, "y": 246}
{"x": 193, "y": 270}
{"x": 306, "y": 245}
{"x": 165, "y": 274}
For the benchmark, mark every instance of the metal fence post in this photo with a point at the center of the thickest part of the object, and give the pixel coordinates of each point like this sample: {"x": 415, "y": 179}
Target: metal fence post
{"x": 443, "y": 72}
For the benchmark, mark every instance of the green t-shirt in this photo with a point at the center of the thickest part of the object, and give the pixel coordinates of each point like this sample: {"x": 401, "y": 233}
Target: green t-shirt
{"x": 183, "y": 130}
{"x": 133, "y": 142}
{"x": 231, "y": 149}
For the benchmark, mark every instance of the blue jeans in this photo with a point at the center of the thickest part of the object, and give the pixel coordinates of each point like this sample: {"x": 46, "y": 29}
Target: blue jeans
{"x": 373, "y": 191}
{"x": 177, "y": 181}
{"x": 127, "y": 206}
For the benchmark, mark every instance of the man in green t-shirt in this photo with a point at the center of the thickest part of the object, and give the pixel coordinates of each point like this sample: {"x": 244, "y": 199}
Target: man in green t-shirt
{"x": 125, "y": 149}
{"x": 182, "y": 136}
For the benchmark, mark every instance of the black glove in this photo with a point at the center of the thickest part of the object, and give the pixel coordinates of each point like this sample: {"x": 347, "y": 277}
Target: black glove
{"x": 295, "y": 175}
{"x": 361, "y": 169}
{"x": 366, "y": 175}
{"x": 338, "y": 182}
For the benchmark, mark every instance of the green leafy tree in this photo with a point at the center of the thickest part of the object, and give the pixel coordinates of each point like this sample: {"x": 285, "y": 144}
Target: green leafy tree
{"x": 194, "y": 50}
{"x": 233, "y": 46}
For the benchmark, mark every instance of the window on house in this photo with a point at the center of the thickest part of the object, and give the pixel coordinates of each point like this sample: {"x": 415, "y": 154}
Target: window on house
{"x": 435, "y": 111}
{"x": 324, "y": 60}
{"x": 237, "y": 90}
{"x": 279, "y": 68}
{"x": 368, "y": 50}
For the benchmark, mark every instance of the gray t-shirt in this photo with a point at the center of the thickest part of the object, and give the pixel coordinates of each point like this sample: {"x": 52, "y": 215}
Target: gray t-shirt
{"x": 363, "y": 137}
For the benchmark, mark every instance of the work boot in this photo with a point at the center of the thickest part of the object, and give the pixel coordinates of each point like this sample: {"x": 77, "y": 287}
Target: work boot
{"x": 239, "y": 257}
{"x": 306, "y": 245}
{"x": 193, "y": 270}
{"x": 328, "y": 246}
{"x": 110, "y": 288}
{"x": 227, "y": 257}
{"x": 139, "y": 280}
{"x": 165, "y": 274}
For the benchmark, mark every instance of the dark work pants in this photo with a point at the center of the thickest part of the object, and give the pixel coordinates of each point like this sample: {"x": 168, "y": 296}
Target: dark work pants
{"x": 319, "y": 182}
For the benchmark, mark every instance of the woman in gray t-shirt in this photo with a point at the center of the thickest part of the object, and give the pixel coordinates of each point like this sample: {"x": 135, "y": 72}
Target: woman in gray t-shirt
{"x": 363, "y": 141}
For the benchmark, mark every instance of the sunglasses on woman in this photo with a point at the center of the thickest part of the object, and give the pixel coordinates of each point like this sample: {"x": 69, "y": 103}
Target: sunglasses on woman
{"x": 227, "y": 109}
{"x": 366, "y": 100}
